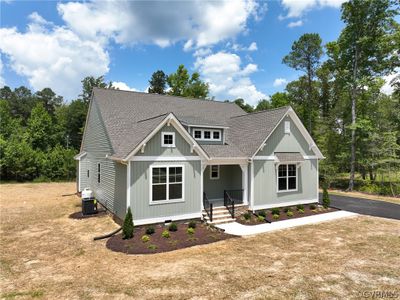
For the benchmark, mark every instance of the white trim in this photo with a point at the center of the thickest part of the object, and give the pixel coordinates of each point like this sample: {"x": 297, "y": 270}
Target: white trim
{"x": 202, "y": 168}
{"x": 227, "y": 161}
{"x": 252, "y": 185}
{"x": 173, "y": 218}
{"x": 310, "y": 157}
{"x": 165, "y": 158}
{"x": 166, "y": 201}
{"x": 261, "y": 157}
{"x": 202, "y": 138}
{"x": 287, "y": 178}
{"x": 79, "y": 176}
{"x": 79, "y": 156}
{"x": 164, "y": 133}
{"x": 283, "y": 204}
{"x": 214, "y": 178}
{"x": 207, "y": 126}
{"x": 128, "y": 185}
{"x": 317, "y": 181}
{"x": 245, "y": 168}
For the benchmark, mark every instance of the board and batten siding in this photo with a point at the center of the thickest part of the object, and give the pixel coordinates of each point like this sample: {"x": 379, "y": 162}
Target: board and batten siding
{"x": 265, "y": 173}
{"x": 230, "y": 178}
{"x": 111, "y": 191}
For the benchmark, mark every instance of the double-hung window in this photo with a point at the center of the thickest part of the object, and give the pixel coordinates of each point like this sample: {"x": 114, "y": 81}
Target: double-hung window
{"x": 168, "y": 139}
{"x": 98, "y": 173}
{"x": 287, "y": 178}
{"x": 166, "y": 184}
{"x": 214, "y": 172}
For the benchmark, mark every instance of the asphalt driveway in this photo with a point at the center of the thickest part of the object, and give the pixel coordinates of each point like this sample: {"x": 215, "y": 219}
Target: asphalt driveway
{"x": 365, "y": 207}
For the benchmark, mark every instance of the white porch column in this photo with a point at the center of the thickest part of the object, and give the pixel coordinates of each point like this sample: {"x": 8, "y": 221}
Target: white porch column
{"x": 245, "y": 181}
{"x": 202, "y": 168}
{"x": 128, "y": 185}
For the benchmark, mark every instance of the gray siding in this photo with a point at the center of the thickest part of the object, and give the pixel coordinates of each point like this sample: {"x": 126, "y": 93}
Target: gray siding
{"x": 230, "y": 178}
{"x": 140, "y": 191}
{"x": 111, "y": 191}
{"x": 84, "y": 165}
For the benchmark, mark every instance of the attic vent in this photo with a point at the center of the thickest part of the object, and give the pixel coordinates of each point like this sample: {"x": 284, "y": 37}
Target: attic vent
{"x": 287, "y": 126}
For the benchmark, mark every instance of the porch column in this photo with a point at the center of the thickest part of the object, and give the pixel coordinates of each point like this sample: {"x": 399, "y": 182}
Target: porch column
{"x": 245, "y": 182}
{"x": 203, "y": 167}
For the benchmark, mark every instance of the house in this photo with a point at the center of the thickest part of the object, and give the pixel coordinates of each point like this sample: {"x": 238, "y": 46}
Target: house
{"x": 168, "y": 158}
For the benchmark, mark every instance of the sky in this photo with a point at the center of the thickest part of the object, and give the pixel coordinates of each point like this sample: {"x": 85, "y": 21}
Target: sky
{"x": 236, "y": 46}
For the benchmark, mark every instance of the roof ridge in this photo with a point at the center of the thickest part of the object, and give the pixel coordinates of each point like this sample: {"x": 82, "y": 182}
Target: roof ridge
{"x": 154, "y": 117}
{"x": 164, "y": 95}
{"x": 262, "y": 111}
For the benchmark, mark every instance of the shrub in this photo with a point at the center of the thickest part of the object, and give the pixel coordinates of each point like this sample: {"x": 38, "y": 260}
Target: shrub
{"x": 173, "y": 227}
{"x": 301, "y": 211}
{"x": 152, "y": 247}
{"x": 247, "y": 216}
{"x": 190, "y": 230}
{"x": 325, "y": 197}
{"x": 150, "y": 230}
{"x": 145, "y": 238}
{"x": 261, "y": 218}
{"x": 165, "y": 234}
{"x": 287, "y": 209}
{"x": 289, "y": 214}
{"x": 262, "y": 213}
{"x": 127, "y": 228}
{"x": 275, "y": 216}
{"x": 313, "y": 206}
{"x": 192, "y": 224}
{"x": 300, "y": 207}
{"x": 275, "y": 211}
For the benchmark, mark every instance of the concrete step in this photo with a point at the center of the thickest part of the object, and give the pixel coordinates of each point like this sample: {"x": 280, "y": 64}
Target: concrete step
{"x": 222, "y": 221}
{"x": 219, "y": 216}
{"x": 218, "y": 212}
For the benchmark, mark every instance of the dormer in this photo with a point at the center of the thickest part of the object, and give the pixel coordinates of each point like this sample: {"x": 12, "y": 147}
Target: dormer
{"x": 208, "y": 134}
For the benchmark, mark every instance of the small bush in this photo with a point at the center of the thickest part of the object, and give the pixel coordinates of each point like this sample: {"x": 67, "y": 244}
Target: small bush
{"x": 152, "y": 247}
{"x": 301, "y": 211}
{"x": 275, "y": 216}
{"x": 300, "y": 206}
{"x": 173, "y": 227}
{"x": 247, "y": 216}
{"x": 289, "y": 214}
{"x": 287, "y": 209}
{"x": 190, "y": 230}
{"x": 192, "y": 224}
{"x": 262, "y": 213}
{"x": 325, "y": 197}
{"x": 275, "y": 211}
{"x": 261, "y": 218}
{"x": 165, "y": 234}
{"x": 127, "y": 228}
{"x": 145, "y": 238}
{"x": 150, "y": 230}
{"x": 313, "y": 206}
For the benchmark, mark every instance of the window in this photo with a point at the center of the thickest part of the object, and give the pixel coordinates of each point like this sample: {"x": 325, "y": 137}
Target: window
{"x": 197, "y": 134}
{"x": 88, "y": 173}
{"x": 207, "y": 135}
{"x": 168, "y": 139}
{"x": 287, "y": 178}
{"x": 166, "y": 184}
{"x": 214, "y": 172}
{"x": 216, "y": 135}
{"x": 98, "y": 172}
{"x": 287, "y": 127}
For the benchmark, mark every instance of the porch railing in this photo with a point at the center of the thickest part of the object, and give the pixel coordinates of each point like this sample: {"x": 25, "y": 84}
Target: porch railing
{"x": 229, "y": 203}
{"x": 236, "y": 195}
{"x": 208, "y": 207}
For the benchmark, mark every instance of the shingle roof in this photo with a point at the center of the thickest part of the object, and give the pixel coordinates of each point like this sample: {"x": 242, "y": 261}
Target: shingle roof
{"x": 131, "y": 116}
{"x": 289, "y": 156}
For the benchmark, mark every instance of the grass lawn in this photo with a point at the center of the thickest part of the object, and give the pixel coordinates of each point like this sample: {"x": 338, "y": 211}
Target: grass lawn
{"x": 46, "y": 254}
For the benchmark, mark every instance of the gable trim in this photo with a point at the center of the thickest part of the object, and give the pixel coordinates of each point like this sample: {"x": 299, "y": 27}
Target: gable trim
{"x": 171, "y": 120}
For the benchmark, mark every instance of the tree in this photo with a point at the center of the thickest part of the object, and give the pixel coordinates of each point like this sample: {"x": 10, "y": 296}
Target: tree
{"x": 88, "y": 83}
{"x": 40, "y": 128}
{"x": 279, "y": 99}
{"x": 49, "y": 99}
{"x": 305, "y": 56}
{"x": 184, "y": 85}
{"x": 366, "y": 48}
{"x": 246, "y": 107}
{"x": 325, "y": 196}
{"x": 158, "y": 83}
{"x": 127, "y": 228}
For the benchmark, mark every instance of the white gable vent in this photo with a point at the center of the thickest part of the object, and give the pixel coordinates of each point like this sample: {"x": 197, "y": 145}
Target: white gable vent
{"x": 287, "y": 126}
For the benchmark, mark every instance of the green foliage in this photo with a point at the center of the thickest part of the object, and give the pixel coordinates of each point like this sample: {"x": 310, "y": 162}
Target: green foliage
{"x": 247, "y": 216}
{"x": 246, "y": 107}
{"x": 325, "y": 197}
{"x": 192, "y": 224}
{"x": 300, "y": 206}
{"x": 173, "y": 227}
{"x": 260, "y": 218}
{"x": 289, "y": 214}
{"x": 262, "y": 213}
{"x": 182, "y": 84}
{"x": 158, "y": 83}
{"x": 275, "y": 211}
{"x": 152, "y": 247}
{"x": 190, "y": 230}
{"x": 300, "y": 211}
{"x": 150, "y": 230}
{"x": 165, "y": 234}
{"x": 88, "y": 83}
{"x": 313, "y": 206}
{"x": 145, "y": 238}
{"x": 287, "y": 209}
{"x": 127, "y": 227}
{"x": 275, "y": 216}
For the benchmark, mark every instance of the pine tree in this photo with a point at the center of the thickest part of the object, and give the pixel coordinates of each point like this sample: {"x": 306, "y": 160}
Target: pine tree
{"x": 127, "y": 228}
{"x": 325, "y": 197}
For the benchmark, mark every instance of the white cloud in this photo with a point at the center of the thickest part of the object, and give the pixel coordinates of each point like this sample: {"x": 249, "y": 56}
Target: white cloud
{"x": 202, "y": 52}
{"x": 2, "y": 81}
{"x": 279, "y": 82}
{"x": 123, "y": 86}
{"x": 238, "y": 47}
{"x": 295, "y": 24}
{"x": 52, "y": 56}
{"x": 162, "y": 23}
{"x": 387, "y": 87}
{"x": 296, "y": 8}
{"x": 227, "y": 78}
{"x": 253, "y": 47}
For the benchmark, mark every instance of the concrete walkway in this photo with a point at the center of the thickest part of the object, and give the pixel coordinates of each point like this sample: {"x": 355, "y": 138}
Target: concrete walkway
{"x": 243, "y": 230}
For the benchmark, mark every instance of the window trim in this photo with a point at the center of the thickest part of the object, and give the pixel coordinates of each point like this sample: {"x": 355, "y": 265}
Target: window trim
{"x": 166, "y": 201}
{"x": 287, "y": 178}
{"x": 164, "y": 133}
{"x": 98, "y": 173}
{"x": 218, "y": 170}
{"x": 211, "y": 134}
{"x": 287, "y": 127}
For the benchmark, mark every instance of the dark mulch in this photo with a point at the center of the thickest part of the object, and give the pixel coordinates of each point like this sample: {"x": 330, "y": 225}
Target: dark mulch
{"x": 157, "y": 244}
{"x": 79, "y": 216}
{"x": 283, "y": 215}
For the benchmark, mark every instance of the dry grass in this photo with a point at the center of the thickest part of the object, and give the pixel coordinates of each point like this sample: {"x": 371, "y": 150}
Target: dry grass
{"x": 364, "y": 196}
{"x": 45, "y": 254}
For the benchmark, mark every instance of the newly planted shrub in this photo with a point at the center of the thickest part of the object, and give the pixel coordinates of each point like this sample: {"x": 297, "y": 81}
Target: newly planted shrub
{"x": 325, "y": 197}
{"x": 190, "y": 230}
{"x": 289, "y": 214}
{"x": 313, "y": 206}
{"x": 299, "y": 207}
{"x": 286, "y": 209}
{"x": 247, "y": 216}
{"x": 192, "y": 224}
{"x": 275, "y": 211}
{"x": 127, "y": 228}
{"x": 275, "y": 216}
{"x": 262, "y": 213}
{"x": 152, "y": 247}
{"x": 150, "y": 230}
{"x": 260, "y": 218}
{"x": 165, "y": 234}
{"x": 301, "y": 211}
{"x": 173, "y": 227}
{"x": 145, "y": 238}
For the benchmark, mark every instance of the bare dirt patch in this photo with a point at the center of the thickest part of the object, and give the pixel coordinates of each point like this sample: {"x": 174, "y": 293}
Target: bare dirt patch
{"x": 46, "y": 254}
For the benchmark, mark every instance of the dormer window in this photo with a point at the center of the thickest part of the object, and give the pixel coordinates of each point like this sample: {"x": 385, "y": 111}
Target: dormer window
{"x": 216, "y": 135}
{"x": 207, "y": 135}
{"x": 197, "y": 134}
{"x": 168, "y": 139}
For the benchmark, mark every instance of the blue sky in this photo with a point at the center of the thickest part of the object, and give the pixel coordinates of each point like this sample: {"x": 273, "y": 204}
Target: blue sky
{"x": 236, "y": 46}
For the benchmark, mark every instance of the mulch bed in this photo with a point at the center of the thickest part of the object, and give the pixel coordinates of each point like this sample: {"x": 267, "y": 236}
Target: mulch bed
{"x": 178, "y": 239}
{"x": 283, "y": 215}
{"x": 79, "y": 216}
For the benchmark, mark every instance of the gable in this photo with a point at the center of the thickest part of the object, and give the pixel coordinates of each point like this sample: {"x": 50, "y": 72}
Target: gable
{"x": 279, "y": 141}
